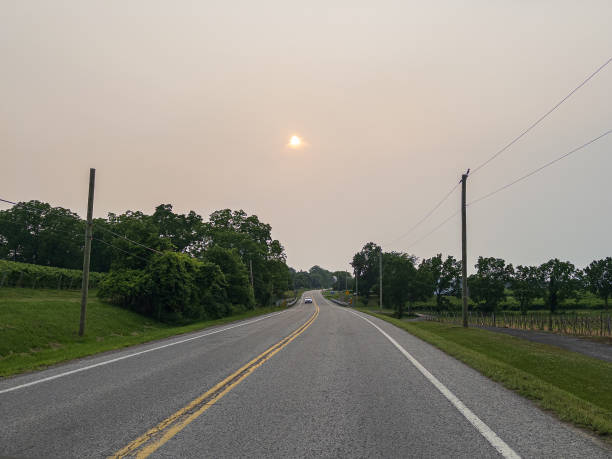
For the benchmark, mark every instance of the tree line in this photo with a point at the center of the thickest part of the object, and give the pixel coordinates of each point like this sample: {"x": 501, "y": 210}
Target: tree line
{"x": 317, "y": 277}
{"x": 163, "y": 260}
{"x": 406, "y": 280}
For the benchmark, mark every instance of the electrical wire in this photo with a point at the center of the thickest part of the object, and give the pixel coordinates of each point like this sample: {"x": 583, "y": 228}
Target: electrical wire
{"x": 103, "y": 229}
{"x": 127, "y": 239}
{"x": 440, "y": 225}
{"x": 427, "y": 215}
{"x": 117, "y": 248}
{"x": 550, "y": 163}
{"x": 539, "y": 120}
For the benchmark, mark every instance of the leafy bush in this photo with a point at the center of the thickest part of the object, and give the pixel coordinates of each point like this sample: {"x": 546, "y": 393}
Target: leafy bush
{"x": 16, "y": 274}
{"x": 173, "y": 287}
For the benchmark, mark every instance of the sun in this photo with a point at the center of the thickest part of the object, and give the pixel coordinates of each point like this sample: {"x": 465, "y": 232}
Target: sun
{"x": 295, "y": 141}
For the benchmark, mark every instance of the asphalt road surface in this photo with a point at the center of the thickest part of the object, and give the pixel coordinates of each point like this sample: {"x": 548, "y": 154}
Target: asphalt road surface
{"x": 316, "y": 380}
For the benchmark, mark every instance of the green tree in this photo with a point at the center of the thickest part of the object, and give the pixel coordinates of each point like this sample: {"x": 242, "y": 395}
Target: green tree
{"x": 444, "y": 277}
{"x": 239, "y": 291}
{"x": 598, "y": 278}
{"x": 560, "y": 282}
{"x": 487, "y": 286}
{"x": 253, "y": 241}
{"x": 399, "y": 278}
{"x": 366, "y": 266}
{"x": 34, "y": 232}
{"x": 527, "y": 285}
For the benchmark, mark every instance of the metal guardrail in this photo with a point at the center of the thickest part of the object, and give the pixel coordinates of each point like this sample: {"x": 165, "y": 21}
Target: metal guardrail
{"x": 341, "y": 303}
{"x": 292, "y": 302}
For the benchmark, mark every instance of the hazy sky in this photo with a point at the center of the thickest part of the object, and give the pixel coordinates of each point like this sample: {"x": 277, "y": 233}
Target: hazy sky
{"x": 193, "y": 104}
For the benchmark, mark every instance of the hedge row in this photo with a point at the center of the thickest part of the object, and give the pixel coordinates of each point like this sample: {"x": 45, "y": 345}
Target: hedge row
{"x": 173, "y": 287}
{"x": 15, "y": 274}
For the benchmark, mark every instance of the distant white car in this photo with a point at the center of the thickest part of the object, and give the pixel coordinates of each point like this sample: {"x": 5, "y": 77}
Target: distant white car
{"x": 307, "y": 300}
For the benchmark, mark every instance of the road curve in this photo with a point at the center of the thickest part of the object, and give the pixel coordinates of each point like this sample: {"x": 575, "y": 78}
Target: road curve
{"x": 336, "y": 384}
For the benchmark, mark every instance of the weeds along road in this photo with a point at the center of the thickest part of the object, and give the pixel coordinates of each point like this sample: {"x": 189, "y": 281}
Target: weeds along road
{"x": 317, "y": 380}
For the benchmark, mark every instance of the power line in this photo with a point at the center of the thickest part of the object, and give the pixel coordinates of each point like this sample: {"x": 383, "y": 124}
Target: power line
{"x": 103, "y": 229}
{"x": 444, "y": 222}
{"x": 117, "y": 248}
{"x": 127, "y": 239}
{"x": 540, "y": 168}
{"x": 427, "y": 215}
{"x": 539, "y": 120}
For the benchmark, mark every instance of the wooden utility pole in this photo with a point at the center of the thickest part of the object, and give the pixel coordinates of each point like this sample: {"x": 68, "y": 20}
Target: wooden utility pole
{"x": 464, "y": 291}
{"x": 251, "y": 269}
{"x": 380, "y": 285}
{"x": 356, "y": 288}
{"x": 87, "y": 251}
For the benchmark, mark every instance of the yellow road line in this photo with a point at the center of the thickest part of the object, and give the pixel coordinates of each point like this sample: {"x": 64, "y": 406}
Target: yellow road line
{"x": 154, "y": 438}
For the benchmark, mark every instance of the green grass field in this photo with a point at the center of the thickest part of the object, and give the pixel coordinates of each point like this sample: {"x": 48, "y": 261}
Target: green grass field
{"x": 40, "y": 328}
{"x": 577, "y": 388}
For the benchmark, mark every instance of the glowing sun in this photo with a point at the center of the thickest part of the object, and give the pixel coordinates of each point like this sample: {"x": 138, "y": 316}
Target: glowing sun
{"x": 295, "y": 141}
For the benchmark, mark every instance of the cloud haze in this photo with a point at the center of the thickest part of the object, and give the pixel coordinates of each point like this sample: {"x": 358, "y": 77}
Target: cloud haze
{"x": 194, "y": 103}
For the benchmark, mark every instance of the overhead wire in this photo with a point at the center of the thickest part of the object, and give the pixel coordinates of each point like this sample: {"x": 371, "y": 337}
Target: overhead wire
{"x": 119, "y": 249}
{"x": 540, "y": 119}
{"x": 427, "y": 215}
{"x": 550, "y": 163}
{"x": 127, "y": 239}
{"x": 440, "y": 225}
{"x": 102, "y": 228}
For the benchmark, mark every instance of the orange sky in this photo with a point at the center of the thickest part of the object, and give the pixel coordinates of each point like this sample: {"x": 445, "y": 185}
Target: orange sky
{"x": 194, "y": 103}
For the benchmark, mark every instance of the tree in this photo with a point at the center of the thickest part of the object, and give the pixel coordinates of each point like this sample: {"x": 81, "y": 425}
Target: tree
{"x": 526, "y": 284}
{"x": 366, "y": 266}
{"x": 487, "y": 286}
{"x": 342, "y": 280}
{"x": 398, "y": 280}
{"x": 239, "y": 291}
{"x": 444, "y": 277}
{"x": 34, "y": 232}
{"x": 559, "y": 280}
{"x": 253, "y": 241}
{"x": 420, "y": 287}
{"x": 598, "y": 277}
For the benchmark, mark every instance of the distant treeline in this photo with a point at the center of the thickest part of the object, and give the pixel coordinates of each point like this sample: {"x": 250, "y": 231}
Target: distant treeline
{"x": 406, "y": 281}
{"x": 317, "y": 277}
{"x": 167, "y": 264}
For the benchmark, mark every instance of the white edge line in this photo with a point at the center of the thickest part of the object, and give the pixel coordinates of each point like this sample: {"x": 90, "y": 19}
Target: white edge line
{"x": 106, "y": 362}
{"x": 497, "y": 443}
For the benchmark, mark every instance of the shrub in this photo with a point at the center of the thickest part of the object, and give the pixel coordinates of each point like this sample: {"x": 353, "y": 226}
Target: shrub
{"x": 174, "y": 287}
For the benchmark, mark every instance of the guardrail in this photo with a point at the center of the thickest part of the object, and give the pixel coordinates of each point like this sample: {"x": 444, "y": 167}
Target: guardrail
{"x": 341, "y": 303}
{"x": 292, "y": 302}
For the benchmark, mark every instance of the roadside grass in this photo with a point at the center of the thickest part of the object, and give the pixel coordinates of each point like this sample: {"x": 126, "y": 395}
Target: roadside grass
{"x": 576, "y": 388}
{"x": 39, "y": 328}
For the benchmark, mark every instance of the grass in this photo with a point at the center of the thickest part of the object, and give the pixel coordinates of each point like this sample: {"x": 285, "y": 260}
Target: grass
{"x": 576, "y": 388}
{"x": 39, "y": 328}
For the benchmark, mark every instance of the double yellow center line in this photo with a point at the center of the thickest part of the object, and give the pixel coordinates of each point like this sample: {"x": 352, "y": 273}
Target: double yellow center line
{"x": 153, "y": 439}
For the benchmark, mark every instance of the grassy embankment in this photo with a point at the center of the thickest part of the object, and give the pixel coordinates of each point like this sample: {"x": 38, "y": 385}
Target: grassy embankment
{"x": 39, "y": 328}
{"x": 576, "y": 388}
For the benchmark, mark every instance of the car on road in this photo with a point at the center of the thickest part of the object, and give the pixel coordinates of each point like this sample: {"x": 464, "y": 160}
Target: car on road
{"x": 307, "y": 300}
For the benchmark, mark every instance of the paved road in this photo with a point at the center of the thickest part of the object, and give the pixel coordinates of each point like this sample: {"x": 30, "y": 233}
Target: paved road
{"x": 317, "y": 380}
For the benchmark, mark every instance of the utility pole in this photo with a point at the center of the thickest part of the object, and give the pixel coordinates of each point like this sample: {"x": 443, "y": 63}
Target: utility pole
{"x": 380, "y": 286}
{"x": 87, "y": 251}
{"x": 356, "y": 288}
{"x": 464, "y": 292}
{"x": 251, "y": 269}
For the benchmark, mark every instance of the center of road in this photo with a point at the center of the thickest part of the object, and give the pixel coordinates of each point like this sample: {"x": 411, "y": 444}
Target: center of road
{"x": 153, "y": 439}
